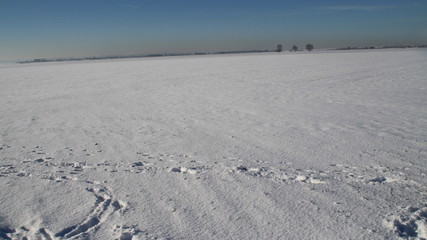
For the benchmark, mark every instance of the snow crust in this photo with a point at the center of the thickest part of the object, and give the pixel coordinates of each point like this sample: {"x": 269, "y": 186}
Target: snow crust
{"x": 251, "y": 146}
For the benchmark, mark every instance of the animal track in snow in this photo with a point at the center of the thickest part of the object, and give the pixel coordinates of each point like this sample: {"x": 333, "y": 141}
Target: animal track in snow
{"x": 7, "y": 169}
{"x": 105, "y": 206}
{"x": 126, "y": 232}
{"x": 281, "y": 175}
{"x": 50, "y": 169}
{"x": 190, "y": 170}
{"x": 105, "y": 203}
{"x": 26, "y": 233}
{"x": 373, "y": 175}
{"x": 411, "y": 225}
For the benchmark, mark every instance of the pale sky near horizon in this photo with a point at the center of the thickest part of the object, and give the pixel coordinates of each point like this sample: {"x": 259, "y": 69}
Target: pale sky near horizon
{"x": 58, "y": 28}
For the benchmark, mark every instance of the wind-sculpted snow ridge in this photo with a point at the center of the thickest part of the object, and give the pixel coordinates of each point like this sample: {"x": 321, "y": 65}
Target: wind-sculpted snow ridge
{"x": 262, "y": 146}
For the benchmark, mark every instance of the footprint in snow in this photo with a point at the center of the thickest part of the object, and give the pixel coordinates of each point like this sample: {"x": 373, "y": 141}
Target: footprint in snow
{"x": 126, "y": 232}
{"x": 411, "y": 225}
{"x": 183, "y": 170}
{"x": 280, "y": 174}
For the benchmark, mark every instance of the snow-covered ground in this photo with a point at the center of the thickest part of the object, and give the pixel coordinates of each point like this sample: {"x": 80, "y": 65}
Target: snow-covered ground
{"x": 329, "y": 145}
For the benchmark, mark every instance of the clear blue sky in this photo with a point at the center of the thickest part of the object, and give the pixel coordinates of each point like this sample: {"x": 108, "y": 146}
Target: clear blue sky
{"x": 77, "y": 28}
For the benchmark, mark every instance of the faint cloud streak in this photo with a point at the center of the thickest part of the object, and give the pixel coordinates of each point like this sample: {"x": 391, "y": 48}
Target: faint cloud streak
{"x": 285, "y": 13}
{"x": 271, "y": 13}
{"x": 357, "y": 8}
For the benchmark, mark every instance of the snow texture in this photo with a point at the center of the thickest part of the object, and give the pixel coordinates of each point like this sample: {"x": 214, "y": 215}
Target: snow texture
{"x": 326, "y": 145}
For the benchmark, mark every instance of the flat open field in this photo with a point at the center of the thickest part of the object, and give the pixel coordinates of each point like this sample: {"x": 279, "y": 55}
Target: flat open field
{"x": 321, "y": 145}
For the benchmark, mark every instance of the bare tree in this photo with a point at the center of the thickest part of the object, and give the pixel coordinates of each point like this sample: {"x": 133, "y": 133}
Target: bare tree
{"x": 279, "y": 48}
{"x": 309, "y": 47}
{"x": 295, "y": 48}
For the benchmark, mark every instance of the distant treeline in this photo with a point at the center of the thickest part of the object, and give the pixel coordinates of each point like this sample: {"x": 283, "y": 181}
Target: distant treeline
{"x": 41, "y": 60}
{"x": 383, "y": 47}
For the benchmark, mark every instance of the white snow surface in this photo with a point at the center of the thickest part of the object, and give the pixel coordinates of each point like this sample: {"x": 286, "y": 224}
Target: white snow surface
{"x": 328, "y": 145}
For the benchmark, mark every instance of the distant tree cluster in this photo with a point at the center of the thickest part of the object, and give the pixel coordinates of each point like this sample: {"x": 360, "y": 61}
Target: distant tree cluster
{"x": 294, "y": 48}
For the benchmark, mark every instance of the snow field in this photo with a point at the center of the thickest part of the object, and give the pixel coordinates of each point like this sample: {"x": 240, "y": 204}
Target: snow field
{"x": 328, "y": 145}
